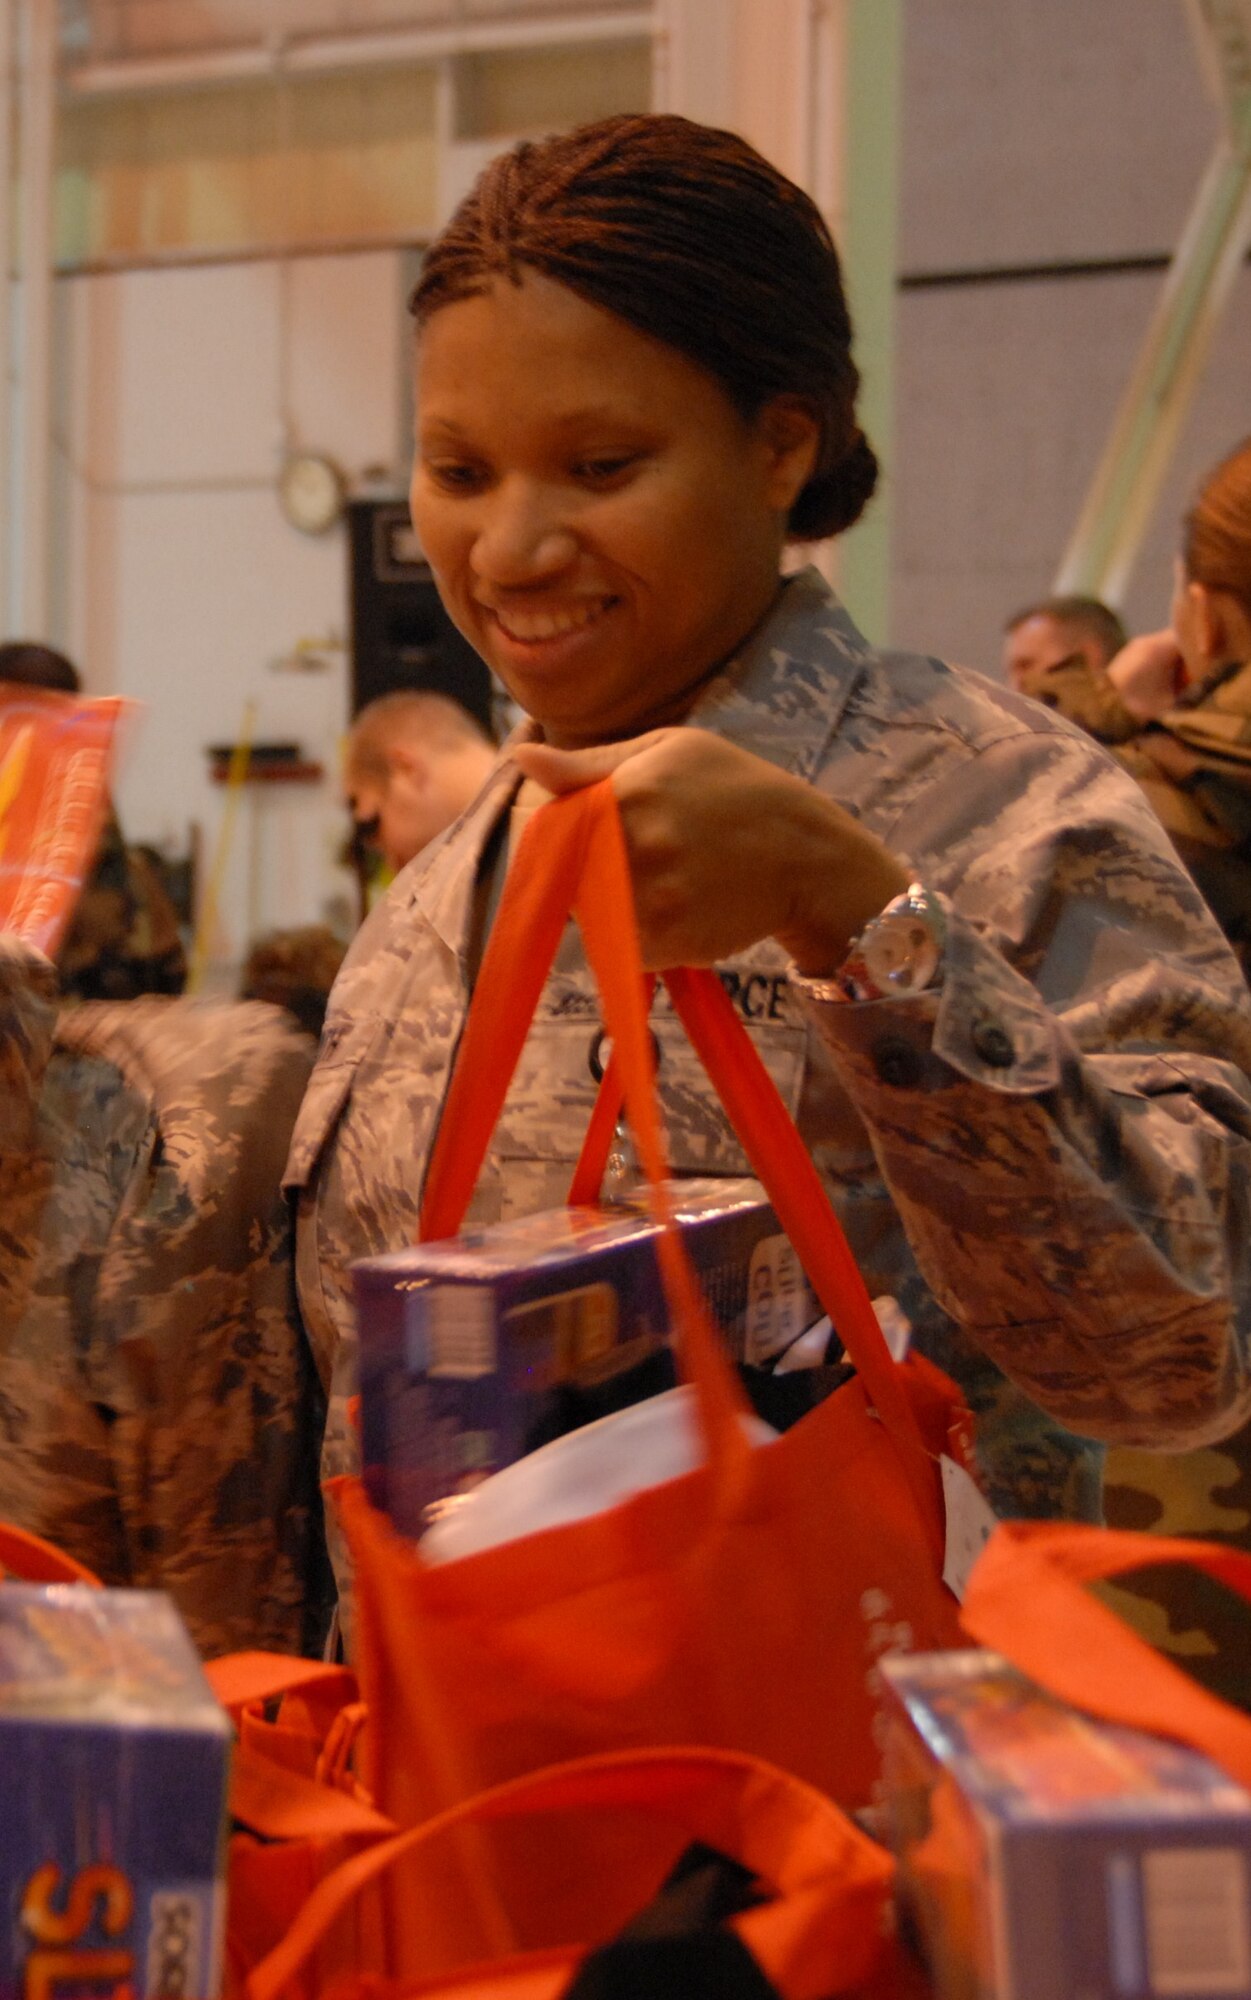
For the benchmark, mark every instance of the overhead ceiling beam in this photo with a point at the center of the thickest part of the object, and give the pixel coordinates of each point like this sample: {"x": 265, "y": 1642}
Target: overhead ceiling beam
{"x": 316, "y": 53}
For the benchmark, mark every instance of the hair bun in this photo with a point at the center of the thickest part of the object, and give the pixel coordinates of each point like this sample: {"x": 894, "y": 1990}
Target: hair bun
{"x": 833, "y": 501}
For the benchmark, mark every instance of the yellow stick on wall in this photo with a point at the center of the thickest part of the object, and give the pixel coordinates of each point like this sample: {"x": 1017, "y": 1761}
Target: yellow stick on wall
{"x": 236, "y": 776}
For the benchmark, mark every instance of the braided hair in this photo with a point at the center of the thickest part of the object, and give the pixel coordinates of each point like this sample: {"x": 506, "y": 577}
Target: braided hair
{"x": 691, "y": 236}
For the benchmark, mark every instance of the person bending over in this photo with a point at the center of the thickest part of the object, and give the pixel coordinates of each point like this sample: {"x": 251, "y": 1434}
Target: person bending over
{"x": 414, "y": 761}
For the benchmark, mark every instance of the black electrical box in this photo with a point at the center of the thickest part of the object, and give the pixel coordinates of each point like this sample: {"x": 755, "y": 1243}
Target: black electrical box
{"x": 401, "y": 635}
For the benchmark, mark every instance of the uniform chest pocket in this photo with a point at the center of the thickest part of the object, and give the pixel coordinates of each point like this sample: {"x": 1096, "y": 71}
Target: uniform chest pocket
{"x": 545, "y": 1115}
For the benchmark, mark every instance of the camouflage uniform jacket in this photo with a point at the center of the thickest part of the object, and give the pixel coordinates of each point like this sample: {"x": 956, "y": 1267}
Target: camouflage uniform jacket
{"x": 159, "y": 1417}
{"x": 123, "y": 937}
{"x": 1194, "y": 765}
{"x": 1046, "y": 1159}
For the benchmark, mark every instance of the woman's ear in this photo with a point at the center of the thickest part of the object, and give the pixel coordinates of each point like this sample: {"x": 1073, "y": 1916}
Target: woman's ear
{"x": 790, "y": 432}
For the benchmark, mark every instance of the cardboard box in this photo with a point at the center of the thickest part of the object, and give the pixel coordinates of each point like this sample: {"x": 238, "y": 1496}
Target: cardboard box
{"x": 115, "y": 1758}
{"x": 1047, "y": 1856}
{"x": 476, "y": 1350}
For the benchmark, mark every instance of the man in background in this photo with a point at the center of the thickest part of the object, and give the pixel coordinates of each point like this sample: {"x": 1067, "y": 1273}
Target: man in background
{"x": 414, "y": 761}
{"x": 1045, "y": 637}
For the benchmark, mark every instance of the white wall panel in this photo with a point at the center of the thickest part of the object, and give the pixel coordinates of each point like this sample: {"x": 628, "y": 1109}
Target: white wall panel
{"x": 181, "y": 582}
{"x": 349, "y": 342}
{"x": 193, "y": 365}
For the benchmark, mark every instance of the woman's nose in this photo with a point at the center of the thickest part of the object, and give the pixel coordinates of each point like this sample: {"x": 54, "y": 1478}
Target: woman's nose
{"x": 522, "y": 537}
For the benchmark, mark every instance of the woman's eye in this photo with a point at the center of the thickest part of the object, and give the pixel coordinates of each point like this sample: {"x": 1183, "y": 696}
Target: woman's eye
{"x": 602, "y": 471}
{"x": 455, "y": 475}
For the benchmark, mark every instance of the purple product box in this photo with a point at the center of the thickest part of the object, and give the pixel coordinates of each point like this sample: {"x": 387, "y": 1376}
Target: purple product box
{"x": 1044, "y": 1855}
{"x": 115, "y": 1756}
{"x": 475, "y": 1350}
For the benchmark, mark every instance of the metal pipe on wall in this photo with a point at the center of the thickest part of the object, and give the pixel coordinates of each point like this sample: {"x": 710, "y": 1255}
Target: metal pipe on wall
{"x": 8, "y": 43}
{"x": 37, "y": 166}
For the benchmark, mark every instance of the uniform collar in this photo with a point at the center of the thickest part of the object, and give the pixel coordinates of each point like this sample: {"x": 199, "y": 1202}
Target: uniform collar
{"x": 442, "y": 883}
{"x": 783, "y": 694}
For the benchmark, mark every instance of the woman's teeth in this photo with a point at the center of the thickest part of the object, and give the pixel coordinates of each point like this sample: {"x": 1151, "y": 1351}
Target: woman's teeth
{"x": 529, "y": 626}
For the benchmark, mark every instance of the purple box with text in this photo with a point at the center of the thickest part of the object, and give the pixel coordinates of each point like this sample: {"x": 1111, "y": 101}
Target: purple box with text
{"x": 115, "y": 1756}
{"x": 476, "y": 1350}
{"x": 1045, "y": 1855}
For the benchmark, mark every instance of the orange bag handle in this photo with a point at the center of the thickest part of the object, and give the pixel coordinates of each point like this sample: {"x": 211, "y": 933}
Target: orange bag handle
{"x": 270, "y": 1797}
{"x": 29, "y": 1559}
{"x": 573, "y": 857}
{"x": 1026, "y": 1588}
{"x": 832, "y": 1878}
{"x": 241, "y": 1680}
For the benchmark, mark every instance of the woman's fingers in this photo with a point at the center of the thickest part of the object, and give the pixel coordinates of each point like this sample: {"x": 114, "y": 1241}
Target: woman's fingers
{"x": 561, "y": 771}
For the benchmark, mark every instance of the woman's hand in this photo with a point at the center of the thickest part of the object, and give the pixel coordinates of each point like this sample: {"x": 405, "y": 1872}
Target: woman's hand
{"x": 726, "y": 849}
{"x": 1148, "y": 673}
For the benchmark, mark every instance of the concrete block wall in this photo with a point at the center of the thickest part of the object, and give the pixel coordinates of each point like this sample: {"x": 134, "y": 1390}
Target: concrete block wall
{"x": 1037, "y": 133}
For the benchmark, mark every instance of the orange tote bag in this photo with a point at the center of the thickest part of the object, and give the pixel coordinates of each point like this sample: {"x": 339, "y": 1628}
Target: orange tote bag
{"x": 296, "y": 1808}
{"x": 1026, "y": 1599}
{"x": 742, "y": 1605}
{"x": 817, "y": 1927}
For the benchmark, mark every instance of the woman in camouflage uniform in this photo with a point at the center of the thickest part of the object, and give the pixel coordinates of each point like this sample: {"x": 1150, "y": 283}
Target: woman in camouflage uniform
{"x": 1013, "y": 1038}
{"x": 1174, "y": 707}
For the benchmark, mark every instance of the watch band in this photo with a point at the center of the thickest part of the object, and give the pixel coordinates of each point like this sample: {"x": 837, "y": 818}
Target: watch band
{"x": 899, "y": 952}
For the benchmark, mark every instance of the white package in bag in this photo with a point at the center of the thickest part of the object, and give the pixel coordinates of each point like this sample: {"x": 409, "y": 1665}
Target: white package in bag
{"x": 583, "y": 1473}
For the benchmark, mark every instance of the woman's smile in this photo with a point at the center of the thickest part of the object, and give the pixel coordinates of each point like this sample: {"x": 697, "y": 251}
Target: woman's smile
{"x": 531, "y": 626}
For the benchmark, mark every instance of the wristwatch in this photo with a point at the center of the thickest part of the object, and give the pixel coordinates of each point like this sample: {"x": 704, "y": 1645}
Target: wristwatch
{"x": 899, "y": 952}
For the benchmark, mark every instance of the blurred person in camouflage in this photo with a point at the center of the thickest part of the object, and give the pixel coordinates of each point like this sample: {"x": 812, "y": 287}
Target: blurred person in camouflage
{"x": 1017, "y": 1045}
{"x": 159, "y": 1415}
{"x": 1174, "y": 707}
{"x": 415, "y": 759}
{"x": 124, "y": 939}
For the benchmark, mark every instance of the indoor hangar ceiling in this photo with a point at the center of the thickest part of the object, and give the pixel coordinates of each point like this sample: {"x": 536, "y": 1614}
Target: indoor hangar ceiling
{"x": 102, "y": 31}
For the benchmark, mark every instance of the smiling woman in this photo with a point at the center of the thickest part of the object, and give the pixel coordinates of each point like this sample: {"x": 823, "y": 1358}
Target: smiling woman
{"x": 1014, "y": 1041}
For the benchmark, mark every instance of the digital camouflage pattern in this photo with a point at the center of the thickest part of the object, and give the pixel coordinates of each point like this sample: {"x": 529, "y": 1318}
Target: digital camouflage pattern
{"x": 158, "y": 1414}
{"x": 1194, "y": 766}
{"x": 1046, "y": 1161}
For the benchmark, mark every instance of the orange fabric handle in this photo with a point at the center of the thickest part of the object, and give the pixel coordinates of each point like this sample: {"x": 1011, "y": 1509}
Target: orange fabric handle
{"x": 29, "y": 1559}
{"x": 831, "y": 1878}
{"x": 572, "y": 855}
{"x": 1025, "y": 1598}
{"x": 240, "y": 1679}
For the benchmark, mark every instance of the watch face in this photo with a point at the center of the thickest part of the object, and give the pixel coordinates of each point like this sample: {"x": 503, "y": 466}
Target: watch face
{"x": 311, "y": 490}
{"x": 900, "y": 952}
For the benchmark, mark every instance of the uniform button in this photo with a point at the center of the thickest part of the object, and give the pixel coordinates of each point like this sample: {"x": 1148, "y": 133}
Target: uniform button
{"x": 994, "y": 1044}
{"x": 897, "y": 1062}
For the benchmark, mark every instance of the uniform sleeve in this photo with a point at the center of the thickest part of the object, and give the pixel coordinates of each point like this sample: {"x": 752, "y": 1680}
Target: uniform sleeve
{"x": 1065, "y": 1125}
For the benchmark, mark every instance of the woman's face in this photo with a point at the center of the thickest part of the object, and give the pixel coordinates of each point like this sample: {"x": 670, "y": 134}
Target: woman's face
{"x": 603, "y": 525}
